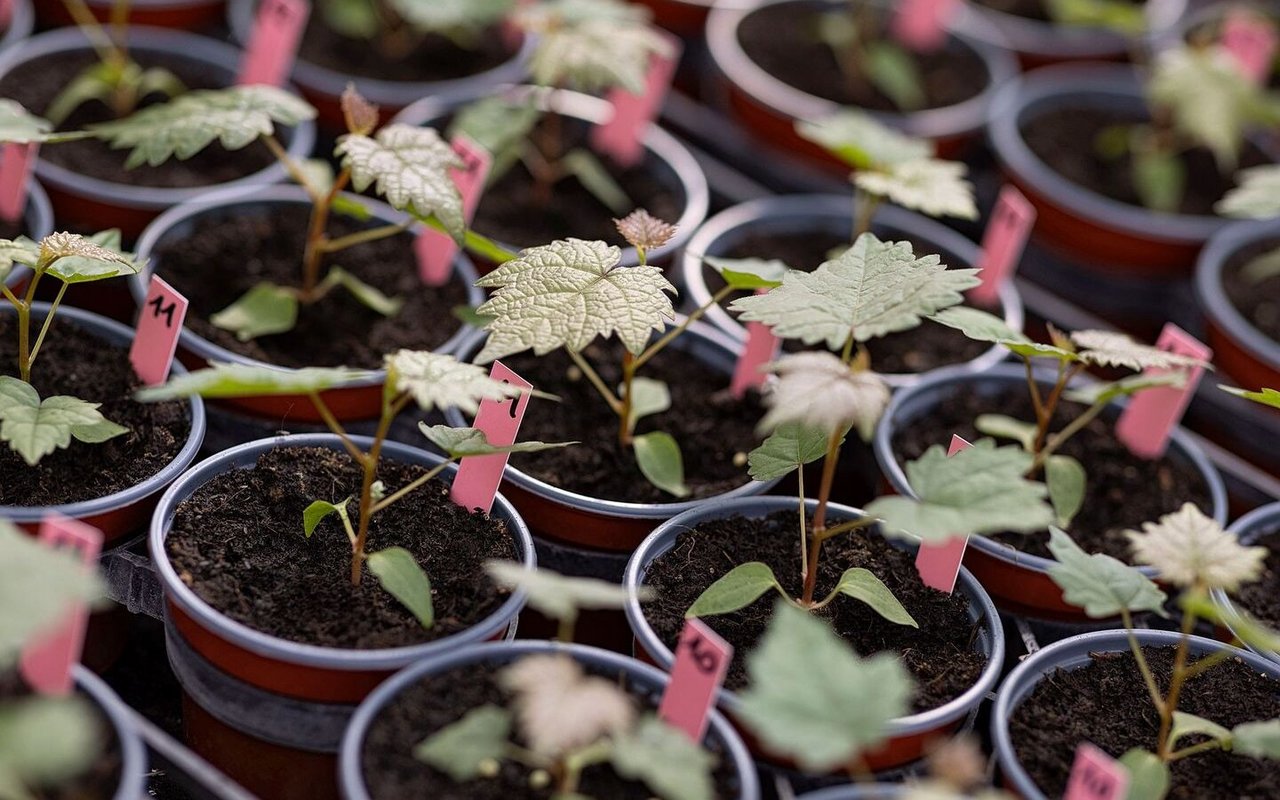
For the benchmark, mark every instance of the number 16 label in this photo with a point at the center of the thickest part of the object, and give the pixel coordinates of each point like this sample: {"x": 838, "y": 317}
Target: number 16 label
{"x": 702, "y": 660}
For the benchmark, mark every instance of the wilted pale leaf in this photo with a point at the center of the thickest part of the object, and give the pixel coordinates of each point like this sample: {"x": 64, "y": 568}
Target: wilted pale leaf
{"x": 1113, "y": 349}
{"x": 644, "y": 231}
{"x": 662, "y": 756}
{"x": 1103, "y": 586}
{"x": 19, "y": 126}
{"x": 931, "y": 186}
{"x": 463, "y": 442}
{"x": 737, "y": 588}
{"x": 247, "y": 380}
{"x": 34, "y": 428}
{"x": 862, "y": 142}
{"x": 558, "y": 596}
{"x": 1190, "y": 549}
{"x": 436, "y": 380}
{"x": 409, "y": 166}
{"x": 1256, "y": 195}
{"x": 788, "y": 448}
{"x": 459, "y": 749}
{"x": 818, "y": 390}
{"x": 558, "y": 708}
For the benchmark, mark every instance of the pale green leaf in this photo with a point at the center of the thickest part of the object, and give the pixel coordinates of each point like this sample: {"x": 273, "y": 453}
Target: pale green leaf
{"x": 459, "y": 750}
{"x": 1190, "y": 549}
{"x": 1257, "y": 739}
{"x": 862, "y": 585}
{"x": 591, "y": 45}
{"x": 98, "y": 432}
{"x": 1266, "y": 397}
{"x": 929, "y": 185}
{"x": 788, "y": 448}
{"x": 566, "y": 294}
{"x": 34, "y": 428}
{"x": 1103, "y": 586}
{"x": 452, "y": 17}
{"x": 1256, "y": 195}
{"x": 748, "y": 274}
{"x": 468, "y": 315}
{"x": 1004, "y": 427}
{"x": 595, "y": 178}
{"x": 1091, "y": 393}
{"x": 315, "y": 513}
{"x": 672, "y": 765}
{"x": 658, "y": 457}
{"x": 45, "y": 741}
{"x": 368, "y": 296}
{"x": 246, "y": 380}
{"x": 736, "y": 589}
{"x": 1185, "y": 724}
{"x": 355, "y": 19}
{"x": 1160, "y": 179}
{"x": 979, "y": 325}
{"x": 97, "y": 81}
{"x": 20, "y": 126}
{"x": 1066, "y": 480}
{"x": 437, "y": 380}
{"x": 818, "y": 390}
{"x": 497, "y": 124}
{"x": 1244, "y": 626}
{"x": 463, "y": 442}
{"x": 263, "y": 310}
{"x": 1262, "y": 267}
{"x": 1119, "y": 16}
{"x": 862, "y": 142}
{"x": 1114, "y": 349}
{"x": 1148, "y": 775}
{"x": 559, "y": 596}
{"x": 73, "y": 258}
{"x": 892, "y": 69}
{"x": 17, "y": 251}
{"x": 648, "y": 397}
{"x": 409, "y": 166}
{"x": 404, "y": 579}
{"x": 158, "y": 80}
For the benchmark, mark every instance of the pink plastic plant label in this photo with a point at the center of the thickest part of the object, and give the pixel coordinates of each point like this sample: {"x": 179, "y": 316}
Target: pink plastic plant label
{"x": 273, "y": 42}
{"x": 478, "y": 478}
{"x": 622, "y": 137}
{"x": 156, "y": 339}
{"x": 939, "y": 562}
{"x": 16, "y": 163}
{"x": 1002, "y": 244}
{"x": 760, "y": 348}
{"x": 435, "y": 250}
{"x": 1251, "y": 41}
{"x": 922, "y": 24}
{"x": 6, "y": 13}
{"x": 1096, "y": 776}
{"x": 702, "y": 660}
{"x": 1146, "y": 424}
{"x": 46, "y": 663}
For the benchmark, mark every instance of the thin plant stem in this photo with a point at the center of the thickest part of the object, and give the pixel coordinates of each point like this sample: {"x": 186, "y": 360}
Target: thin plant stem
{"x": 346, "y": 525}
{"x": 624, "y": 416}
{"x": 336, "y": 427}
{"x": 370, "y": 468}
{"x": 804, "y": 534}
{"x": 845, "y": 527}
{"x": 48, "y": 320}
{"x": 1042, "y": 421}
{"x": 409, "y": 488}
{"x": 564, "y": 629}
{"x": 1065, "y": 376}
{"x": 10, "y": 296}
{"x": 1143, "y": 667}
{"x": 291, "y": 167}
{"x": 93, "y": 31}
{"x": 1178, "y": 677}
{"x": 1056, "y": 440}
{"x": 24, "y": 325}
{"x": 361, "y": 237}
{"x": 1207, "y": 663}
{"x": 670, "y": 336}
{"x": 820, "y": 516}
{"x": 475, "y": 243}
{"x": 1202, "y": 747}
{"x": 614, "y": 403}
{"x": 867, "y": 205}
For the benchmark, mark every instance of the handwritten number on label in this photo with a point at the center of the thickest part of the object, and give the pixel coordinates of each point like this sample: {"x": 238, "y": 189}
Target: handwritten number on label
{"x": 703, "y": 656}
{"x": 160, "y": 308}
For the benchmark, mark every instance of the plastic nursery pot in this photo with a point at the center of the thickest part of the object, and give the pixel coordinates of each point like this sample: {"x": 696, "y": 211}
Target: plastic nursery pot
{"x": 1240, "y": 349}
{"x": 80, "y": 200}
{"x": 1249, "y": 529}
{"x": 1082, "y": 224}
{"x": 22, "y": 20}
{"x": 361, "y": 400}
{"x": 1070, "y": 654}
{"x": 187, "y": 15}
{"x": 1018, "y": 581}
{"x": 37, "y": 223}
{"x": 665, "y": 158}
{"x": 610, "y": 525}
{"x": 133, "y": 754}
{"x": 641, "y": 678}
{"x": 770, "y": 107}
{"x": 853, "y": 791}
{"x": 323, "y": 86}
{"x": 125, "y": 512}
{"x": 907, "y": 736}
{"x": 828, "y": 214}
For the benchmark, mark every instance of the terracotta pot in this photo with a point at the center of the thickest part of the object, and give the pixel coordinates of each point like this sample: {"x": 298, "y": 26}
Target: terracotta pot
{"x": 187, "y": 15}
{"x": 1241, "y": 350}
{"x": 1249, "y": 529}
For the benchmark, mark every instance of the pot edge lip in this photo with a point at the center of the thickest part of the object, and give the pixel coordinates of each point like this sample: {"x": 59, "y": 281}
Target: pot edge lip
{"x": 1247, "y": 529}
{"x": 133, "y": 752}
{"x": 22, "y": 21}
{"x": 1211, "y": 289}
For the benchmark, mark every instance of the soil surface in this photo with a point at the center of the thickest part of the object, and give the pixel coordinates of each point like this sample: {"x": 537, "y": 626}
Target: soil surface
{"x": 710, "y": 425}
{"x": 940, "y": 654}
{"x": 1262, "y": 597}
{"x": 36, "y": 83}
{"x": 392, "y": 773}
{"x": 1064, "y": 139}
{"x": 783, "y": 40}
{"x": 1258, "y": 301}
{"x": 73, "y": 363}
{"x": 337, "y": 330}
{"x": 1123, "y": 491}
{"x": 433, "y": 58}
{"x": 1106, "y": 703}
{"x": 14, "y": 229}
{"x": 238, "y": 543}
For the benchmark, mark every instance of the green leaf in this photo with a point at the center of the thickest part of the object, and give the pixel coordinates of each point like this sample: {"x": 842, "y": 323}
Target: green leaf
{"x": 591, "y": 45}
{"x": 748, "y": 274}
{"x": 981, "y": 489}
{"x": 862, "y": 584}
{"x": 158, "y": 81}
{"x": 315, "y": 513}
{"x": 1160, "y": 179}
{"x": 818, "y": 390}
{"x": 736, "y": 589}
{"x": 17, "y": 251}
{"x": 841, "y": 708}
{"x": 404, "y": 579}
{"x": 862, "y": 142}
{"x": 20, "y": 126}
{"x": 1002, "y": 427}
{"x": 46, "y": 741}
{"x": 1245, "y": 627}
{"x": 1266, "y": 397}
{"x": 98, "y": 432}
{"x": 500, "y": 126}
{"x": 1262, "y": 267}
{"x": 1119, "y": 16}
{"x": 648, "y": 397}
{"x": 978, "y": 325}
{"x": 873, "y": 289}
{"x": 72, "y": 258}
{"x": 458, "y": 750}
{"x": 1114, "y": 349}
{"x": 1185, "y": 724}
{"x": 665, "y": 759}
{"x": 788, "y": 448}
{"x": 1103, "y": 586}
{"x": 452, "y": 18}
{"x": 34, "y": 428}
{"x": 558, "y": 596}
{"x": 437, "y": 380}
{"x": 930, "y": 185}
{"x": 1091, "y": 393}
{"x": 367, "y": 295}
{"x": 234, "y": 117}
{"x": 1190, "y": 549}
{"x": 468, "y": 315}
{"x": 355, "y": 19}
{"x": 658, "y": 457}
{"x": 246, "y": 380}
{"x": 1065, "y": 478}
{"x": 1256, "y": 195}
{"x": 409, "y": 166}
{"x": 595, "y": 178}
{"x": 263, "y": 310}
{"x": 97, "y": 81}
{"x": 892, "y": 69}
{"x": 566, "y": 294}
{"x": 463, "y": 442}
{"x": 1148, "y": 775}
{"x": 1257, "y": 739}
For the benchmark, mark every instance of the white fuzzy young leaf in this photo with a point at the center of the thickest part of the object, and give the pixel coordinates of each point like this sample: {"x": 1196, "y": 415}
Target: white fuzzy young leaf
{"x": 558, "y": 708}
{"x": 558, "y": 596}
{"x": 463, "y": 442}
{"x": 234, "y": 117}
{"x": 1103, "y": 586}
{"x": 435, "y": 380}
{"x": 818, "y": 390}
{"x": 458, "y": 750}
{"x": 34, "y": 428}
{"x": 665, "y": 759}
{"x": 643, "y": 230}
{"x": 246, "y": 380}
{"x": 1257, "y": 739}
{"x": 788, "y": 448}
{"x": 44, "y": 742}
{"x": 591, "y": 45}
{"x": 567, "y": 293}
{"x": 748, "y": 273}
{"x": 73, "y": 258}
{"x": 737, "y": 588}
{"x": 862, "y": 142}
{"x": 20, "y": 126}
{"x": 981, "y": 489}
{"x": 841, "y": 708}
{"x": 449, "y": 17}
{"x": 872, "y": 289}
{"x": 1256, "y": 195}
{"x": 1266, "y": 397}
{"x": 931, "y": 186}
{"x": 1112, "y": 349}
{"x": 1190, "y": 549}
{"x": 409, "y": 166}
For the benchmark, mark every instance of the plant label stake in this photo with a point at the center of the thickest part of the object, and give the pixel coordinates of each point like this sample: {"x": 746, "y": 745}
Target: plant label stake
{"x": 6, "y": 13}
{"x": 435, "y": 250}
{"x": 156, "y": 339}
{"x": 702, "y": 661}
{"x": 476, "y": 483}
{"x": 46, "y": 662}
{"x": 1002, "y": 244}
{"x": 273, "y": 43}
{"x": 760, "y": 348}
{"x": 939, "y": 562}
{"x": 1146, "y": 424}
{"x": 1251, "y": 42}
{"x": 1096, "y": 776}
{"x": 16, "y": 163}
{"x": 922, "y": 24}
{"x": 622, "y": 137}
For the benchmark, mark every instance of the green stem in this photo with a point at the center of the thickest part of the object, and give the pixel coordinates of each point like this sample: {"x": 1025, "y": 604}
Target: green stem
{"x": 624, "y": 416}
{"x": 475, "y": 243}
{"x": 1212, "y": 744}
{"x": 370, "y": 468}
{"x": 1143, "y": 667}
{"x": 292, "y": 167}
{"x": 336, "y": 427}
{"x": 820, "y": 516}
{"x": 1177, "y": 679}
{"x": 845, "y": 527}
{"x": 578, "y": 760}
{"x": 24, "y": 327}
{"x": 410, "y": 487}
{"x": 670, "y": 336}
{"x": 361, "y": 237}
{"x": 35, "y": 350}
{"x": 614, "y": 403}
{"x": 867, "y": 205}
{"x": 1207, "y": 663}
{"x": 1057, "y": 440}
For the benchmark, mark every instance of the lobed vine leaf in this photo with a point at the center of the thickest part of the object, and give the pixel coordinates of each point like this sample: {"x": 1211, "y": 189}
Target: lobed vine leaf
{"x": 1103, "y": 586}
{"x": 34, "y": 428}
{"x": 817, "y": 390}
{"x": 1190, "y": 549}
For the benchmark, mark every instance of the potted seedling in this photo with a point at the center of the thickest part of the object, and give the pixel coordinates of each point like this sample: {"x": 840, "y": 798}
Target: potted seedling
{"x": 1193, "y": 730}
{"x": 547, "y": 717}
{"x": 1042, "y": 32}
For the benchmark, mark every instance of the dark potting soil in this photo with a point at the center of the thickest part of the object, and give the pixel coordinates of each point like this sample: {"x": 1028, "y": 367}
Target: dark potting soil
{"x": 36, "y": 83}
{"x": 238, "y": 543}
{"x": 433, "y": 58}
{"x": 1065, "y": 140}
{"x": 940, "y": 654}
{"x": 391, "y": 772}
{"x": 1123, "y": 490}
{"x": 1258, "y": 301}
{"x": 101, "y": 780}
{"x": 783, "y": 40}
{"x": 12, "y": 229}
{"x": 513, "y": 211}
{"x": 925, "y": 347}
{"x": 1262, "y": 597}
{"x": 713, "y": 429}
{"x": 226, "y": 256}
{"x": 71, "y": 362}
{"x": 1106, "y": 703}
